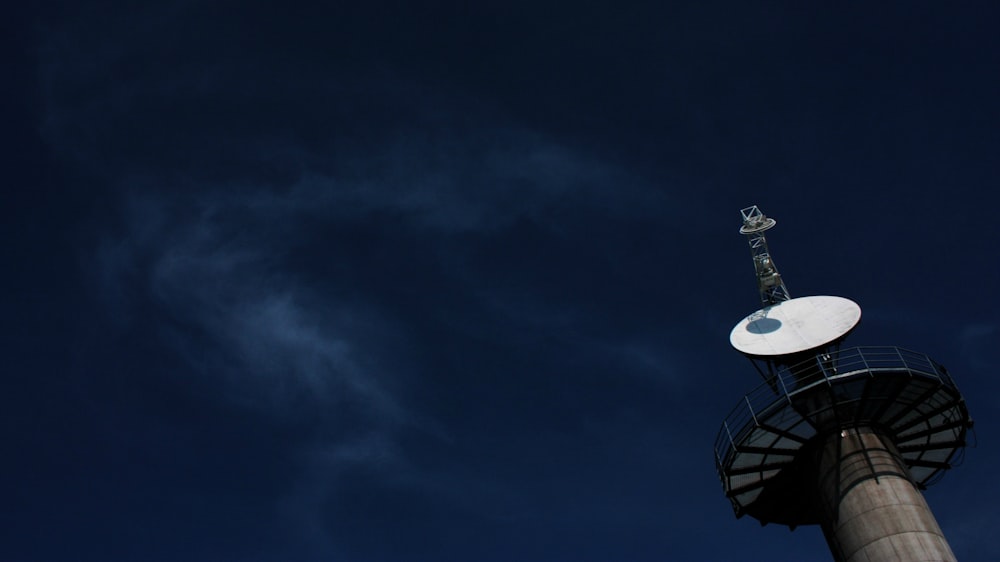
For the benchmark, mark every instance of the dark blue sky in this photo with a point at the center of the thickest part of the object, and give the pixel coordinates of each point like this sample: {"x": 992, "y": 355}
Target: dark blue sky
{"x": 432, "y": 281}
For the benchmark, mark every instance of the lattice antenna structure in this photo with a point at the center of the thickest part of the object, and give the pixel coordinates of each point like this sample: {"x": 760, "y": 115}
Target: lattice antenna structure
{"x": 769, "y": 283}
{"x": 841, "y": 438}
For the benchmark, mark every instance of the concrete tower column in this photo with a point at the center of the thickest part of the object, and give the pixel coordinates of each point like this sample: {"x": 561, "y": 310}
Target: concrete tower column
{"x": 871, "y": 510}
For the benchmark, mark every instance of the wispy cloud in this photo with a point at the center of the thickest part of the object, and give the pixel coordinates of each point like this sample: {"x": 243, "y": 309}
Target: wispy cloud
{"x": 216, "y": 209}
{"x": 211, "y": 268}
{"x": 354, "y": 141}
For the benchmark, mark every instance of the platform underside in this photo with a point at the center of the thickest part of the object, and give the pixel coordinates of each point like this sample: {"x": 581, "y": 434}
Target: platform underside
{"x": 763, "y": 450}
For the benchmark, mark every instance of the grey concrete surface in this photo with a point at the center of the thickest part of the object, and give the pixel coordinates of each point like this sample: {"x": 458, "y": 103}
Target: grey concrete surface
{"x": 872, "y": 511}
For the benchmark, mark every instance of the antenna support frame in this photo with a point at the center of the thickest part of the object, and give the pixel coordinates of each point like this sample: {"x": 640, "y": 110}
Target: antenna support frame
{"x": 769, "y": 282}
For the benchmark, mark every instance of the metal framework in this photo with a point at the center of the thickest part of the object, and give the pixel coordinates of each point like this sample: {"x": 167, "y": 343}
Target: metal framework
{"x": 763, "y": 444}
{"x": 769, "y": 283}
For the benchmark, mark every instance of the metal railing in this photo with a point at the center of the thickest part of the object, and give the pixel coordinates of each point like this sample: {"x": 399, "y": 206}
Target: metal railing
{"x": 822, "y": 369}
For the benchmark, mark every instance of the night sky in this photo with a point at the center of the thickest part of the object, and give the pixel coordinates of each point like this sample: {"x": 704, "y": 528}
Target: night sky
{"x": 431, "y": 281}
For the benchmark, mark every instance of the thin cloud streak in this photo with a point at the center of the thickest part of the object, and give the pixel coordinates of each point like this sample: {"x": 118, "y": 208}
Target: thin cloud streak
{"x": 210, "y": 273}
{"x": 445, "y": 158}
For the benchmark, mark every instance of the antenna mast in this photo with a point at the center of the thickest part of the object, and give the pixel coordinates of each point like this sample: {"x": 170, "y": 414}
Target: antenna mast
{"x": 769, "y": 283}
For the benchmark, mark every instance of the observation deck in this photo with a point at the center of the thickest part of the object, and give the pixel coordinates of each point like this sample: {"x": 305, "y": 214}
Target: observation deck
{"x": 765, "y": 449}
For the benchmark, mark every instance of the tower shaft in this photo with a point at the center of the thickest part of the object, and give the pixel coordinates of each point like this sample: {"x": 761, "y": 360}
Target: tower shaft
{"x": 870, "y": 508}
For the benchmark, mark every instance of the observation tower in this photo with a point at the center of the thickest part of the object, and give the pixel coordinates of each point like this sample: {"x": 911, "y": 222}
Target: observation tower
{"x": 841, "y": 438}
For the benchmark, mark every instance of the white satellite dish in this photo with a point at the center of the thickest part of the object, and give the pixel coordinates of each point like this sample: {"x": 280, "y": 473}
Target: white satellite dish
{"x": 795, "y": 325}
{"x": 756, "y": 224}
